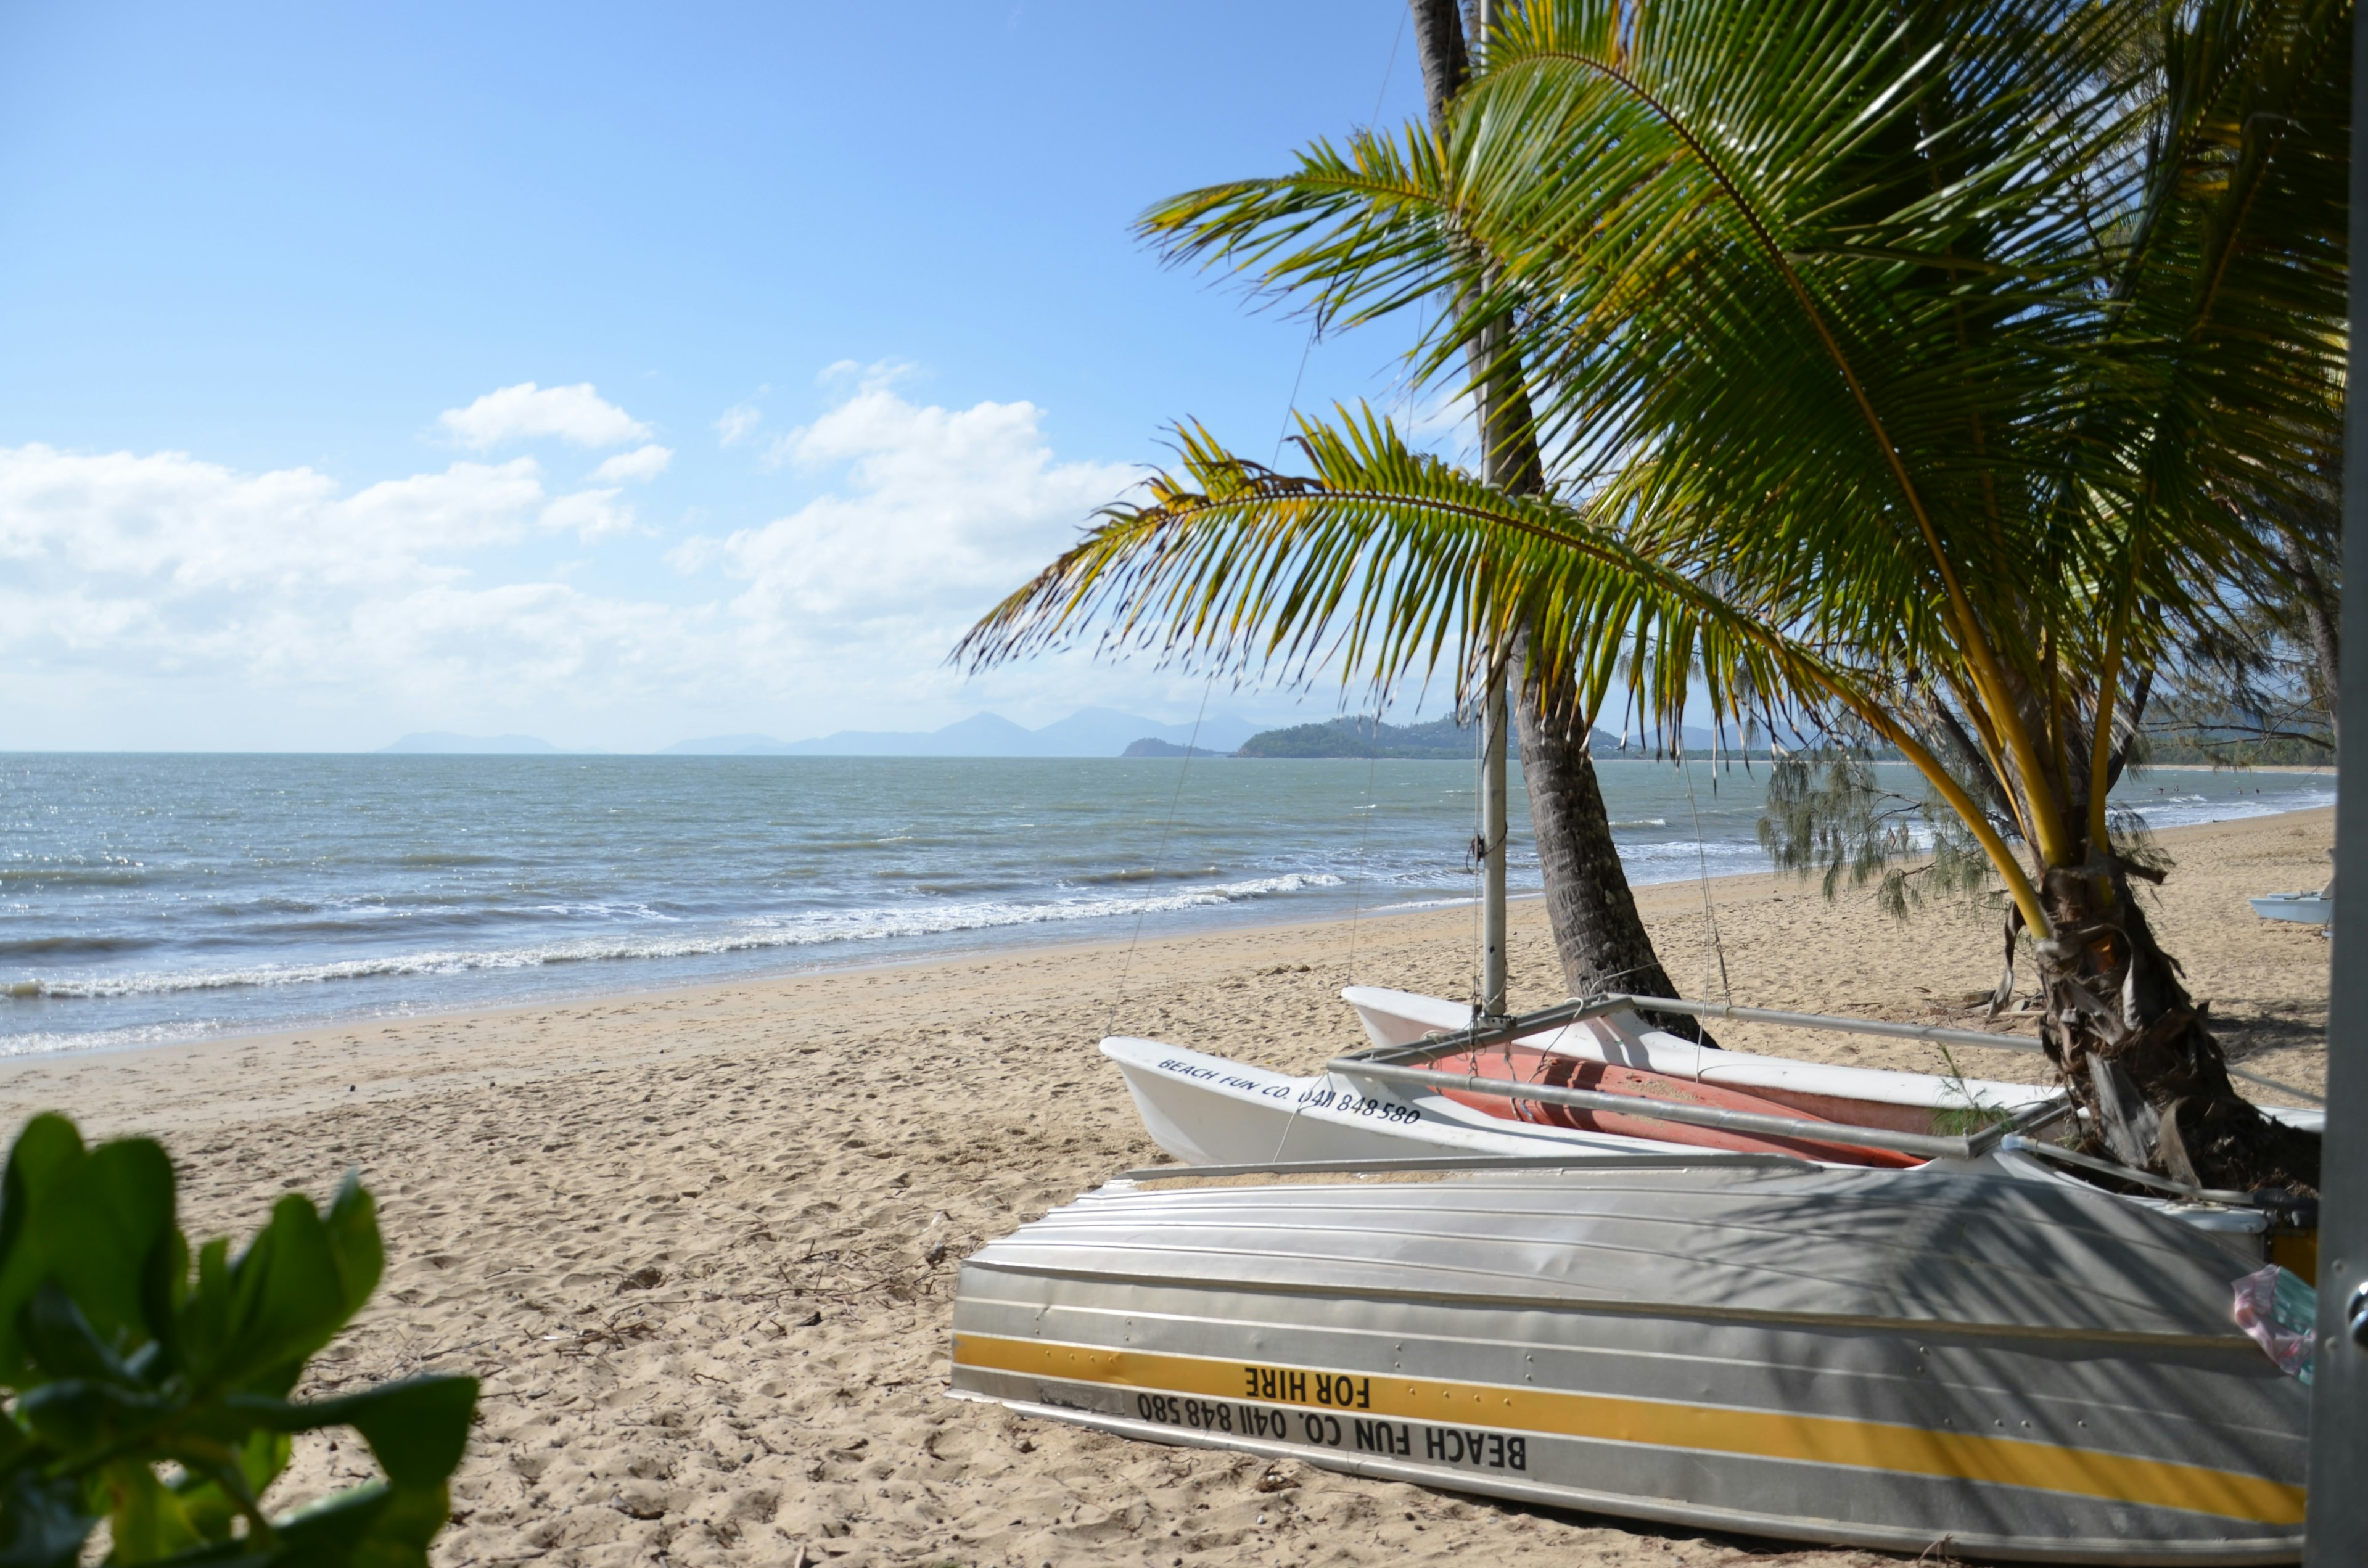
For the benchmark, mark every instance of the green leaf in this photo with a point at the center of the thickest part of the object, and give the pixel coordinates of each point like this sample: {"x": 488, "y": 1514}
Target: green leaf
{"x": 41, "y": 1160}
{"x": 16, "y": 1444}
{"x": 146, "y": 1519}
{"x": 60, "y": 1338}
{"x": 164, "y": 1286}
{"x": 93, "y": 1221}
{"x": 368, "y": 1527}
{"x": 79, "y": 1417}
{"x": 288, "y": 1296}
{"x": 417, "y": 1428}
{"x": 207, "y": 1313}
{"x": 354, "y": 1241}
{"x": 121, "y": 1365}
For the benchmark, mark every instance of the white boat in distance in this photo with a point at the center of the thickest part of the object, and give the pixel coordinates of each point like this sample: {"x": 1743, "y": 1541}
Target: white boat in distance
{"x": 2302, "y": 908}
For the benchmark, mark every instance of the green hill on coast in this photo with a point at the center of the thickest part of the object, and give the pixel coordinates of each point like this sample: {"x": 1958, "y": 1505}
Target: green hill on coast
{"x": 1443, "y": 740}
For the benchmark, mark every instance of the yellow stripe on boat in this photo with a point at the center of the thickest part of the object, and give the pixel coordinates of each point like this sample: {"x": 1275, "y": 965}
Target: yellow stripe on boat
{"x": 1759, "y": 1434}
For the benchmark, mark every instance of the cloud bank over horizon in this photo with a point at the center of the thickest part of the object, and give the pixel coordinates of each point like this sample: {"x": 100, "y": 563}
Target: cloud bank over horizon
{"x": 489, "y": 593}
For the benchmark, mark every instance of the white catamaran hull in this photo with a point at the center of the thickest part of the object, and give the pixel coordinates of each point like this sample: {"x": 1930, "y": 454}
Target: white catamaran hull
{"x": 1209, "y": 1110}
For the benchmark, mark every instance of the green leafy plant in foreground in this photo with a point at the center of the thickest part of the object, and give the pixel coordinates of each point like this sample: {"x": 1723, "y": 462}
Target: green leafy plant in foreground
{"x": 155, "y": 1397}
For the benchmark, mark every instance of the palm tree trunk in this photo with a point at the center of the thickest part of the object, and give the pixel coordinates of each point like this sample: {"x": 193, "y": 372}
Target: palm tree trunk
{"x": 1439, "y": 39}
{"x": 2138, "y": 1053}
{"x": 2320, "y": 610}
{"x": 1596, "y": 931}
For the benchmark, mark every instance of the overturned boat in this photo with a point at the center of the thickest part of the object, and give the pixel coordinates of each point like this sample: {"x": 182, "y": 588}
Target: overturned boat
{"x": 1745, "y": 1342}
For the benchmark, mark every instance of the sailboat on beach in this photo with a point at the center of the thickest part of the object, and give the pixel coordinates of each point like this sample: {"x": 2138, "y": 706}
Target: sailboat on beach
{"x": 1573, "y": 1259}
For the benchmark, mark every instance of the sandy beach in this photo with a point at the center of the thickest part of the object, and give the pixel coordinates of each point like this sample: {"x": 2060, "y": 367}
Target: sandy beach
{"x": 700, "y": 1243}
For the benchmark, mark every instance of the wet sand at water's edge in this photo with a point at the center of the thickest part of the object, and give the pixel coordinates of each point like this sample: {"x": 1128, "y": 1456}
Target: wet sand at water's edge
{"x": 686, "y": 1239}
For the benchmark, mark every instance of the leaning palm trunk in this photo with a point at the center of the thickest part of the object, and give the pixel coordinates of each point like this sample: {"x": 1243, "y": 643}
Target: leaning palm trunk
{"x": 2134, "y": 1048}
{"x": 1598, "y": 934}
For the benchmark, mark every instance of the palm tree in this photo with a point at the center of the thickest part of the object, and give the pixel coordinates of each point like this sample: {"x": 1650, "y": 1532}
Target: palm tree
{"x": 1911, "y": 366}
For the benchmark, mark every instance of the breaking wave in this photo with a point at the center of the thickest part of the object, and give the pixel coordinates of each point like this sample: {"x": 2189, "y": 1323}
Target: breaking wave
{"x": 755, "y": 933}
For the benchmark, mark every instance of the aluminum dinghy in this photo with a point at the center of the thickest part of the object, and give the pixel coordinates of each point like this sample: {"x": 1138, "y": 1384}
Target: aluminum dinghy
{"x": 1744, "y": 1343}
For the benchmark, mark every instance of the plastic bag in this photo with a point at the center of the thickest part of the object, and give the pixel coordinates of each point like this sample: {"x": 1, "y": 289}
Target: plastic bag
{"x": 2280, "y": 1309}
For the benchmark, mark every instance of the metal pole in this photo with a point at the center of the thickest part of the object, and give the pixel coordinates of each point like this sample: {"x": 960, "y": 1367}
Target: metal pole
{"x": 1495, "y": 463}
{"x": 1493, "y": 836}
{"x": 2338, "y": 1525}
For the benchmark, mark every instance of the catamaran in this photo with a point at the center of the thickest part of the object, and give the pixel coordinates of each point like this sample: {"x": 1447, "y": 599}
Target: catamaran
{"x": 1594, "y": 1078}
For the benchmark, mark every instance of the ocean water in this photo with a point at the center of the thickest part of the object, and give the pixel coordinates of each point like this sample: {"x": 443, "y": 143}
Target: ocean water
{"x": 154, "y": 898}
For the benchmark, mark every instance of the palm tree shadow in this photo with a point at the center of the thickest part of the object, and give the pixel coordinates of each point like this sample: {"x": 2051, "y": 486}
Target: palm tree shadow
{"x": 2293, "y": 1026}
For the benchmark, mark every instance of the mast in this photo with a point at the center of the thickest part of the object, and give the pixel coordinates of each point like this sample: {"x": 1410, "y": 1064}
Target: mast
{"x": 1499, "y": 466}
{"x": 1448, "y": 42}
{"x": 1493, "y": 843}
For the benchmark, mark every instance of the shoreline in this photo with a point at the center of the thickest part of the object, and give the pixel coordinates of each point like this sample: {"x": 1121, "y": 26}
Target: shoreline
{"x": 2323, "y": 769}
{"x": 700, "y": 1243}
{"x": 991, "y": 943}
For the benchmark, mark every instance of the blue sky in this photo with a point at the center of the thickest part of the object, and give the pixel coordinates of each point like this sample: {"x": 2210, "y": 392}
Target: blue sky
{"x": 611, "y": 375}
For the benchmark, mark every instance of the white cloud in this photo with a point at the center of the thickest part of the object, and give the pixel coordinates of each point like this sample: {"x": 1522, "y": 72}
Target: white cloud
{"x": 72, "y": 520}
{"x": 695, "y": 554}
{"x": 590, "y": 514}
{"x": 640, "y": 464}
{"x": 736, "y": 422}
{"x": 140, "y": 568}
{"x": 944, "y": 511}
{"x": 434, "y": 600}
{"x": 526, "y": 413}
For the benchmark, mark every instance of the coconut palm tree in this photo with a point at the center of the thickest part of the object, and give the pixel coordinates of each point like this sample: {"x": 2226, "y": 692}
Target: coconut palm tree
{"x": 1895, "y": 364}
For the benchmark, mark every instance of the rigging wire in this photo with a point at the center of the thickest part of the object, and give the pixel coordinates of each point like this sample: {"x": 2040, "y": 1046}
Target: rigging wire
{"x": 1373, "y": 807}
{"x": 1192, "y": 744}
{"x": 1298, "y": 377}
{"x": 1701, "y": 863}
{"x": 1369, "y": 810}
{"x": 1384, "y": 91}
